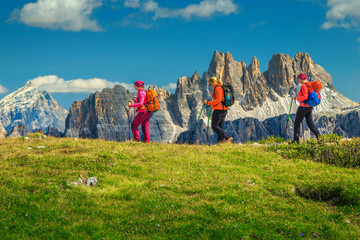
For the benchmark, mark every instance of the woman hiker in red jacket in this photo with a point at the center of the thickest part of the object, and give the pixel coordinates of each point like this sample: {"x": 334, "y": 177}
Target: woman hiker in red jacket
{"x": 304, "y": 110}
{"x": 220, "y": 111}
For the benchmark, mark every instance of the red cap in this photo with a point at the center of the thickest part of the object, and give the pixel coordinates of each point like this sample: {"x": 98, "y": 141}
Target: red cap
{"x": 139, "y": 83}
{"x": 302, "y": 76}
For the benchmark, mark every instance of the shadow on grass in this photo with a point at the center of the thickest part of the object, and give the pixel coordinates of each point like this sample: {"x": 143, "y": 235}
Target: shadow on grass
{"x": 331, "y": 193}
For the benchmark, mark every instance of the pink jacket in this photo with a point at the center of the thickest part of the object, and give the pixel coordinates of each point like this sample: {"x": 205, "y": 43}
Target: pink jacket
{"x": 140, "y": 101}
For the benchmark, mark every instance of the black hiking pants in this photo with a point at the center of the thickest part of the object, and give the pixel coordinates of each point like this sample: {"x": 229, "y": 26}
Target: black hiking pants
{"x": 218, "y": 123}
{"x": 304, "y": 112}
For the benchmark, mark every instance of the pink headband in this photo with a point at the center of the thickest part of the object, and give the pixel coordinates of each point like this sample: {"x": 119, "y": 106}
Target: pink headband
{"x": 302, "y": 76}
{"x": 139, "y": 83}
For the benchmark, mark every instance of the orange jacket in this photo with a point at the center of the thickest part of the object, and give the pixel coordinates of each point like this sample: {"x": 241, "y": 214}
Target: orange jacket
{"x": 218, "y": 97}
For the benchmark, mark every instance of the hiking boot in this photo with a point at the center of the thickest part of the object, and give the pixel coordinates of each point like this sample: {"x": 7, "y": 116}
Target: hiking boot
{"x": 229, "y": 140}
{"x": 319, "y": 139}
{"x": 296, "y": 140}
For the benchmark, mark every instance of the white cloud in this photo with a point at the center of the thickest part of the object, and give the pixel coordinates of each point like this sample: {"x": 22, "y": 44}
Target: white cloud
{"x": 3, "y": 89}
{"x": 52, "y": 83}
{"x": 342, "y": 13}
{"x": 68, "y": 15}
{"x": 204, "y": 9}
{"x": 150, "y": 6}
{"x": 207, "y": 8}
{"x": 135, "y": 20}
{"x": 132, "y": 3}
{"x": 170, "y": 86}
{"x": 257, "y": 24}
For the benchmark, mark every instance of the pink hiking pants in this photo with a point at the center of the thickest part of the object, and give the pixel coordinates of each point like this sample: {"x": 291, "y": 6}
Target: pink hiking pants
{"x": 142, "y": 118}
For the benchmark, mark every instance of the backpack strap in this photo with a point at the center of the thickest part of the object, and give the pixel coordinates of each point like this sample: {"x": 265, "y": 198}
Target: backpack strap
{"x": 310, "y": 87}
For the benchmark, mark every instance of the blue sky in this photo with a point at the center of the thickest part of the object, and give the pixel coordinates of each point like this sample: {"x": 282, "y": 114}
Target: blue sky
{"x": 74, "y": 47}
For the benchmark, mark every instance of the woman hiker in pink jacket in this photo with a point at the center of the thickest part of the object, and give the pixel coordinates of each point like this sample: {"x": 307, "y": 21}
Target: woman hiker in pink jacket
{"x": 143, "y": 115}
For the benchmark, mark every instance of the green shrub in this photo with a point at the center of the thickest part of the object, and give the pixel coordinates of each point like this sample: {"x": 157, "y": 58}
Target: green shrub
{"x": 331, "y": 138}
{"x": 331, "y": 150}
{"x": 271, "y": 139}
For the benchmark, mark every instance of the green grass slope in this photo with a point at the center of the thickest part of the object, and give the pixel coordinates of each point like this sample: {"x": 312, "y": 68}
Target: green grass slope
{"x": 169, "y": 191}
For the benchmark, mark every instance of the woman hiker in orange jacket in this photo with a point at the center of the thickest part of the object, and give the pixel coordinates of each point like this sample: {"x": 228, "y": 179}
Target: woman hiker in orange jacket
{"x": 219, "y": 110}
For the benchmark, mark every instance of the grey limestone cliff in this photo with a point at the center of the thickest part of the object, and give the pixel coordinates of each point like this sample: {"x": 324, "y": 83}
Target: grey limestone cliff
{"x": 18, "y": 130}
{"x": 54, "y": 132}
{"x": 104, "y": 115}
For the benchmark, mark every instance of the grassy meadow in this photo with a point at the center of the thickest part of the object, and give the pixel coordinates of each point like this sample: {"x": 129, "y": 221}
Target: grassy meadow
{"x": 171, "y": 191}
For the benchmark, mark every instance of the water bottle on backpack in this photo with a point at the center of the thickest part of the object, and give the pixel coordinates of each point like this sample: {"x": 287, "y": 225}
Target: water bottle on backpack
{"x": 227, "y": 100}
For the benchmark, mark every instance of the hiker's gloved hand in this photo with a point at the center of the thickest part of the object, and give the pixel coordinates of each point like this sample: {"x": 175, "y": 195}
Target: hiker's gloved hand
{"x": 293, "y": 96}
{"x": 129, "y": 103}
{"x": 205, "y": 101}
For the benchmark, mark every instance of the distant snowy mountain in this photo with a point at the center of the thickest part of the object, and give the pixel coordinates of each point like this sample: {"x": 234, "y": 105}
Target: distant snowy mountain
{"x": 32, "y": 107}
{"x": 2, "y": 131}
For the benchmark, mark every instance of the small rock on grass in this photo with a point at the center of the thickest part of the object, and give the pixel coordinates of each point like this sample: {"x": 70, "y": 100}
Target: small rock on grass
{"x": 256, "y": 144}
{"x": 92, "y": 181}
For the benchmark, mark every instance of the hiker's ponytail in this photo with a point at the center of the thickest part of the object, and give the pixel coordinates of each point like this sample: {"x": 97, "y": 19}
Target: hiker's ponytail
{"x": 215, "y": 80}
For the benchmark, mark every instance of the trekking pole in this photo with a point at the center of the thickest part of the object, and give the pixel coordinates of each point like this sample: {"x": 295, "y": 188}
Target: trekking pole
{"x": 192, "y": 134}
{"x": 302, "y": 128}
{"x": 288, "y": 117}
{"x": 134, "y": 100}
{"x": 207, "y": 131}
{"x": 129, "y": 118}
{"x": 242, "y": 98}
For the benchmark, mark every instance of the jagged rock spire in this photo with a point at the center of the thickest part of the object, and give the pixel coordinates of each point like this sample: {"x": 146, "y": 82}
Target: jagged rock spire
{"x": 254, "y": 68}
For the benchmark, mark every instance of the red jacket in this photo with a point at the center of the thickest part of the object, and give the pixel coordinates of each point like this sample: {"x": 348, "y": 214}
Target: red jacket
{"x": 304, "y": 95}
{"x": 218, "y": 97}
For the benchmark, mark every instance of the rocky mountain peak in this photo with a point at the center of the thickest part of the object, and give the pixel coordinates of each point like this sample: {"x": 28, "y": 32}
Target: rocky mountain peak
{"x": 280, "y": 74}
{"x": 254, "y": 68}
{"x": 217, "y": 64}
{"x": 195, "y": 76}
